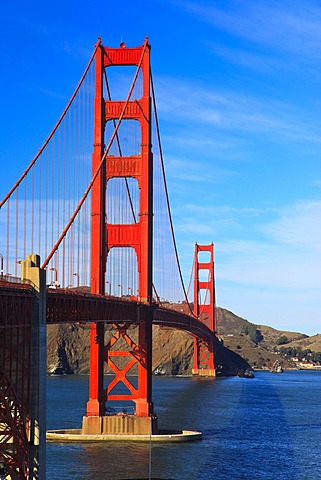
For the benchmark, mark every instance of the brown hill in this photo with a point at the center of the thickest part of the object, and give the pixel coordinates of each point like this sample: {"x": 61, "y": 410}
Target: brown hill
{"x": 68, "y": 346}
{"x": 258, "y": 344}
{"x": 312, "y": 343}
{"x": 68, "y": 349}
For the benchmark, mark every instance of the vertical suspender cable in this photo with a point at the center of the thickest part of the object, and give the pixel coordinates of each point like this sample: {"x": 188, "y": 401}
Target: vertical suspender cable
{"x": 8, "y": 235}
{"x": 63, "y": 234}
{"x": 47, "y": 206}
{"x": 32, "y": 209}
{"x": 25, "y": 221}
{"x": 17, "y": 223}
{"x": 64, "y": 186}
{"x": 39, "y": 206}
{"x": 61, "y": 265}
{"x": 52, "y": 190}
{"x": 54, "y": 129}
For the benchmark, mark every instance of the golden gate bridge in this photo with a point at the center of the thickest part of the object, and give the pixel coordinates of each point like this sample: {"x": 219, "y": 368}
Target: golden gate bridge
{"x": 93, "y": 205}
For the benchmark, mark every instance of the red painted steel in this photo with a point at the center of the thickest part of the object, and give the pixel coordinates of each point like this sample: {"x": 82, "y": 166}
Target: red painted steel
{"x": 108, "y": 236}
{"x": 122, "y": 353}
{"x": 204, "y": 309}
{"x": 96, "y": 402}
{"x": 15, "y": 337}
{"x": 14, "y": 441}
{"x": 66, "y": 307}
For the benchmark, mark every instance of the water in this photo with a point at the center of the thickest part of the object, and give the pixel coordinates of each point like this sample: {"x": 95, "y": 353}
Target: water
{"x": 264, "y": 428}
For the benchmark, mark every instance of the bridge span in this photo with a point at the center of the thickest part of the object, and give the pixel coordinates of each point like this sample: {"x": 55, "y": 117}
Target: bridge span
{"x": 64, "y": 306}
{"x": 94, "y": 204}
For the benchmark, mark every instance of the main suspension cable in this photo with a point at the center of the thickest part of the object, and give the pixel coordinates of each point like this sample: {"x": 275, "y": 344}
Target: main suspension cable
{"x": 167, "y": 196}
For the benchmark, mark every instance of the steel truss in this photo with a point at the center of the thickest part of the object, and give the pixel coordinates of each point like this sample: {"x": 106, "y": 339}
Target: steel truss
{"x": 15, "y": 353}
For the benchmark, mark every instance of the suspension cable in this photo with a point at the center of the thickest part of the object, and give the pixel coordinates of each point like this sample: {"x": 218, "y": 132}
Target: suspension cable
{"x": 191, "y": 275}
{"x": 65, "y": 231}
{"x": 54, "y": 129}
{"x": 126, "y": 181}
{"x": 167, "y": 196}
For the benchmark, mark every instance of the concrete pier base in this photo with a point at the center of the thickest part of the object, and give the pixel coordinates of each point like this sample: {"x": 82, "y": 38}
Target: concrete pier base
{"x": 204, "y": 372}
{"x": 163, "y": 436}
{"x": 122, "y": 424}
{"x": 128, "y": 428}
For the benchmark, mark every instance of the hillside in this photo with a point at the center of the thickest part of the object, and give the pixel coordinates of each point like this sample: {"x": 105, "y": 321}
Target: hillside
{"x": 259, "y": 345}
{"x": 308, "y": 343}
{"x": 68, "y": 347}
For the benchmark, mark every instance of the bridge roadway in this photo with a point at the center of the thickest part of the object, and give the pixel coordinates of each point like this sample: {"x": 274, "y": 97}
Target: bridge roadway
{"x": 70, "y": 306}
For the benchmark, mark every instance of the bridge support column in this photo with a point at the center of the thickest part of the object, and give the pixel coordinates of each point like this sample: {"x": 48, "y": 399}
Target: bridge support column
{"x": 30, "y": 270}
{"x": 121, "y": 424}
{"x": 203, "y": 359}
{"x": 204, "y": 309}
{"x": 136, "y": 234}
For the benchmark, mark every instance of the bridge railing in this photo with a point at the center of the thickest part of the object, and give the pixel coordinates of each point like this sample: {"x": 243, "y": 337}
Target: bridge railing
{"x": 16, "y": 282}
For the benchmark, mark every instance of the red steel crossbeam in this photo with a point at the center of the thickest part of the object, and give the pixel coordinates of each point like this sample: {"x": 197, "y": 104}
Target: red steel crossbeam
{"x": 204, "y": 309}
{"x": 15, "y": 337}
{"x": 106, "y": 236}
{"x": 16, "y": 302}
{"x": 130, "y": 359}
{"x": 13, "y": 438}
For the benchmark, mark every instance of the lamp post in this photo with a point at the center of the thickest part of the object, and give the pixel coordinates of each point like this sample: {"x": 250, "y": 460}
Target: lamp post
{"x": 109, "y": 288}
{"x": 120, "y": 289}
{"x": 130, "y": 291}
{"x": 1, "y": 265}
{"x": 77, "y": 275}
{"x": 56, "y": 276}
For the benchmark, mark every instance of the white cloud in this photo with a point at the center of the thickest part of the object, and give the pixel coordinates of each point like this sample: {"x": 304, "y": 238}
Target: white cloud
{"x": 290, "y": 27}
{"x": 268, "y": 254}
{"x": 253, "y": 60}
{"x": 269, "y": 272}
{"x": 277, "y": 281}
{"x": 196, "y": 172}
{"x": 298, "y": 226}
{"x": 183, "y": 102}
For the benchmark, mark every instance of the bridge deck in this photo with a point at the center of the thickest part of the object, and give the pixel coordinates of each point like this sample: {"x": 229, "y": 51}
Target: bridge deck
{"x": 66, "y": 306}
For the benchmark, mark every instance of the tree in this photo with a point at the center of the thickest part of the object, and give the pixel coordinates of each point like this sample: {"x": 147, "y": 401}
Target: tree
{"x": 282, "y": 340}
{"x": 246, "y": 329}
{"x": 255, "y": 335}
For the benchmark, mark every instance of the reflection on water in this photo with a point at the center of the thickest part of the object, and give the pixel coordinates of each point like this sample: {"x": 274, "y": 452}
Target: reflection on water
{"x": 264, "y": 428}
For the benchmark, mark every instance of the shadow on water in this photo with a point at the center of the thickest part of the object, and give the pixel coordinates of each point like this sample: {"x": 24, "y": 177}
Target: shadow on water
{"x": 267, "y": 428}
{"x": 246, "y": 434}
{"x": 256, "y": 442}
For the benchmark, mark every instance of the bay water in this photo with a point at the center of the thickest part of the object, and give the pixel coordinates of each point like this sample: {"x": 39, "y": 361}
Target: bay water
{"x": 266, "y": 428}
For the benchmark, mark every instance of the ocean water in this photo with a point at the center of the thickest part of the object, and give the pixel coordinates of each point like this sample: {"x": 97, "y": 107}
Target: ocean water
{"x": 266, "y": 428}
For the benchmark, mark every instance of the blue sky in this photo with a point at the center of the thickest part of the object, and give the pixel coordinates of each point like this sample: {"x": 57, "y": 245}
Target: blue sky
{"x": 238, "y": 93}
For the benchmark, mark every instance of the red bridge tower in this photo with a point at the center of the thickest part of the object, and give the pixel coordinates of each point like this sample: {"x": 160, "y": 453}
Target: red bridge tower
{"x": 106, "y": 236}
{"x": 204, "y": 308}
